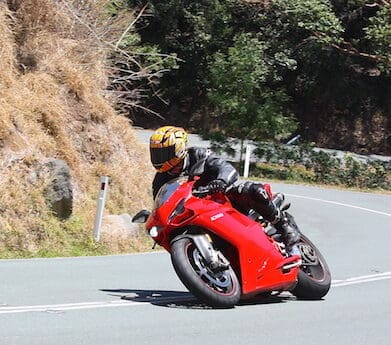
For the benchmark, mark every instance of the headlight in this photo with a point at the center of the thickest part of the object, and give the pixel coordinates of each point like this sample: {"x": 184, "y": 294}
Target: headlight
{"x": 153, "y": 232}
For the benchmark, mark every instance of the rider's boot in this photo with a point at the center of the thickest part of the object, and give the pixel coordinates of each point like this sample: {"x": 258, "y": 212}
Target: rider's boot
{"x": 272, "y": 212}
{"x": 290, "y": 234}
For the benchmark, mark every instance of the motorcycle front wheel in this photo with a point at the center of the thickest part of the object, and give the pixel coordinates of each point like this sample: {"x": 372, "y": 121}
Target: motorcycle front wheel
{"x": 314, "y": 278}
{"x": 217, "y": 289}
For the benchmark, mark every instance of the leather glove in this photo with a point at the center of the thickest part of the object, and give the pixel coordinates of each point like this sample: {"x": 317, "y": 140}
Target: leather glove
{"x": 216, "y": 186}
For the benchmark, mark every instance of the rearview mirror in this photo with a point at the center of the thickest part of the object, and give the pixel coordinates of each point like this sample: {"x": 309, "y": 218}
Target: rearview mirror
{"x": 141, "y": 216}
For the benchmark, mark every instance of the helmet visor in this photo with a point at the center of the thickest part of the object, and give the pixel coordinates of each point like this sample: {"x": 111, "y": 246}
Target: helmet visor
{"x": 161, "y": 155}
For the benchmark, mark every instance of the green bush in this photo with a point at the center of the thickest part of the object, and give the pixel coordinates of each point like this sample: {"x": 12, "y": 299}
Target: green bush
{"x": 304, "y": 163}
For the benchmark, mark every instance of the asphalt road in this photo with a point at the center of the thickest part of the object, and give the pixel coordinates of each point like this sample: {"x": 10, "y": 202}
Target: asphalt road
{"x": 137, "y": 299}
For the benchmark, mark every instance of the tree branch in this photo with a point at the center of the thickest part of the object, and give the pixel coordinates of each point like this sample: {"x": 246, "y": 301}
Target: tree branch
{"x": 131, "y": 25}
{"x": 352, "y": 51}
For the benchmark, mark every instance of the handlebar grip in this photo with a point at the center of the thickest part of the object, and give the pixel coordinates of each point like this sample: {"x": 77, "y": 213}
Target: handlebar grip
{"x": 201, "y": 192}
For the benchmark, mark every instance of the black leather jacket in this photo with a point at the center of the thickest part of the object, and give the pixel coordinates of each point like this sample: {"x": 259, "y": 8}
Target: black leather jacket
{"x": 200, "y": 162}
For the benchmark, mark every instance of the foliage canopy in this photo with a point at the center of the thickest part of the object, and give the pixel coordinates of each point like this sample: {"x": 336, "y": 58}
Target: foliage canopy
{"x": 327, "y": 62}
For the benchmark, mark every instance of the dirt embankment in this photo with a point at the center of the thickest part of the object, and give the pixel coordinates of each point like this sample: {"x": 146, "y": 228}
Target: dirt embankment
{"x": 53, "y": 73}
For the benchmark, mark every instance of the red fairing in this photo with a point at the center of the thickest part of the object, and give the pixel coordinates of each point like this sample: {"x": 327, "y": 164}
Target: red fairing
{"x": 254, "y": 256}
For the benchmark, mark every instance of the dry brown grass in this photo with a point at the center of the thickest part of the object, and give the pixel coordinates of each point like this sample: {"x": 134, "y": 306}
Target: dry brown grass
{"x": 52, "y": 104}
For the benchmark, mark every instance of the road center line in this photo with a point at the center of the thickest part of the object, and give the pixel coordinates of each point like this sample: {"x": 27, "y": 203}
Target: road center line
{"x": 362, "y": 279}
{"x": 59, "y": 308}
{"x": 340, "y": 204}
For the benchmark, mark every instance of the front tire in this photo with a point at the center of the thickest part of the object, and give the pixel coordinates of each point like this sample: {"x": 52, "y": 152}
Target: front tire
{"x": 314, "y": 278}
{"x": 218, "y": 289}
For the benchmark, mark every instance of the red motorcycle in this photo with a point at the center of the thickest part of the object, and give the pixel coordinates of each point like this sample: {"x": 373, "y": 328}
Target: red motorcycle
{"x": 222, "y": 255}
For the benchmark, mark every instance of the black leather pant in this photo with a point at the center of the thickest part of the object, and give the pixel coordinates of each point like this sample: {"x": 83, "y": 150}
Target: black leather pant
{"x": 251, "y": 195}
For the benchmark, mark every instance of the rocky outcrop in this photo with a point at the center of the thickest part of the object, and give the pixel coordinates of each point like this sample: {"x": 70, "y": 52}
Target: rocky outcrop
{"x": 59, "y": 192}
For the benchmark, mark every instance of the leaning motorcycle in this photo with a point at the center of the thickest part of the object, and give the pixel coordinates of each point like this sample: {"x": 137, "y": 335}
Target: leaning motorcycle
{"x": 222, "y": 255}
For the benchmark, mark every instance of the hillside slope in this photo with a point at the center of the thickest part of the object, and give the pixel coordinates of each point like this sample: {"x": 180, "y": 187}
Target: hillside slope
{"x": 53, "y": 73}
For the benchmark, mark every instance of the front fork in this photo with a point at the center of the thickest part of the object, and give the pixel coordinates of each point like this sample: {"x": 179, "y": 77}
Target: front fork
{"x": 213, "y": 258}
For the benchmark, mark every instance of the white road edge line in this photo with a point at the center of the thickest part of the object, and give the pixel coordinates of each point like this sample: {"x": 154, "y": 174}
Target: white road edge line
{"x": 53, "y": 308}
{"x": 340, "y": 204}
{"x": 58, "y": 308}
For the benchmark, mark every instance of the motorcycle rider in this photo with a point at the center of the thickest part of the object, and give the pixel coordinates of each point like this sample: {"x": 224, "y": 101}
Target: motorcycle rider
{"x": 171, "y": 157}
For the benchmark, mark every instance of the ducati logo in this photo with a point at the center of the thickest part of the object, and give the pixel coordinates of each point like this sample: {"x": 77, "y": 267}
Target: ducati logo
{"x": 216, "y": 216}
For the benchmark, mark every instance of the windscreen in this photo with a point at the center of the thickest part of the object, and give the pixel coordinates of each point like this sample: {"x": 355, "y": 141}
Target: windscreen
{"x": 167, "y": 190}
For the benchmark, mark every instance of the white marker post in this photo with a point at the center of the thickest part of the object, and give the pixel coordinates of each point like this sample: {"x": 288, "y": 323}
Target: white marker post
{"x": 247, "y": 161}
{"x": 103, "y": 187}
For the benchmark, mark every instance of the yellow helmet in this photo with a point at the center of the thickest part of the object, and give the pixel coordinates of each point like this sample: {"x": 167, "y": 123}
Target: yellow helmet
{"x": 168, "y": 147}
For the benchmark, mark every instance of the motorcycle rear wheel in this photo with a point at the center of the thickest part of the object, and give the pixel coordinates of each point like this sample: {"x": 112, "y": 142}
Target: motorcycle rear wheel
{"x": 217, "y": 289}
{"x": 314, "y": 278}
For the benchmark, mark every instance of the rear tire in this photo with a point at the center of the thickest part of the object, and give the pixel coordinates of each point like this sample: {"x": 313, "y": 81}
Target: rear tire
{"x": 218, "y": 289}
{"x": 314, "y": 278}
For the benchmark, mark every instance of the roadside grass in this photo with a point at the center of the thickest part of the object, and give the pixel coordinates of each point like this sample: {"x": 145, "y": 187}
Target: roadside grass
{"x": 71, "y": 238}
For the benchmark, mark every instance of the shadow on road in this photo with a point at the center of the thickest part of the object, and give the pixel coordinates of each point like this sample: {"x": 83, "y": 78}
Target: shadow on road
{"x": 161, "y": 298}
{"x": 182, "y": 299}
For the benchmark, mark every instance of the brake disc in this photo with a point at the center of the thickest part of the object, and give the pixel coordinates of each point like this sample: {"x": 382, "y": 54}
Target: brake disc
{"x": 308, "y": 255}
